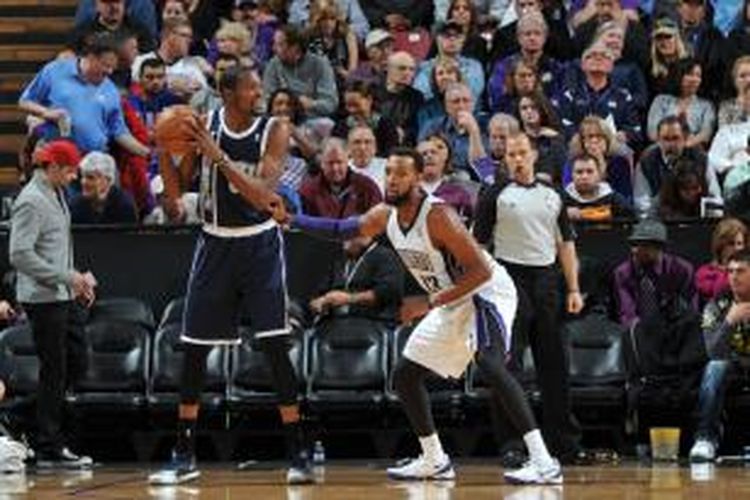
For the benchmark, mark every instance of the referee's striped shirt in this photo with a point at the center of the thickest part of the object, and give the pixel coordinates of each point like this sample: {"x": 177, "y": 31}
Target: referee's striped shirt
{"x": 523, "y": 224}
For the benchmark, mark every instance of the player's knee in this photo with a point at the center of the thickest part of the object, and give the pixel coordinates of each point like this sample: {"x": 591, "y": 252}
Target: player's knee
{"x": 406, "y": 374}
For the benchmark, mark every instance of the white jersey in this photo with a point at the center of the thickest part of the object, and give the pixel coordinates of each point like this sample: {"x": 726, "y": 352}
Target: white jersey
{"x": 446, "y": 339}
{"x": 425, "y": 262}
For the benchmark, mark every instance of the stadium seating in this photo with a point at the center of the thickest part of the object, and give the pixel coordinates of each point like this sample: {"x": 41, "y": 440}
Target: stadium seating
{"x": 348, "y": 364}
{"x": 18, "y": 355}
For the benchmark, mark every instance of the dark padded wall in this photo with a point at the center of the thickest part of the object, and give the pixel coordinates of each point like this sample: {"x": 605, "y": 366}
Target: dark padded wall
{"x": 153, "y": 264}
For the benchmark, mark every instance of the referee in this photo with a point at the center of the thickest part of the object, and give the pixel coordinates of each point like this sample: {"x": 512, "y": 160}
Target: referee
{"x": 525, "y": 225}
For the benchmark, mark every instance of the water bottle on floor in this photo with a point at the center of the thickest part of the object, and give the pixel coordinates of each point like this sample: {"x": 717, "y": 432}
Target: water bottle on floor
{"x": 319, "y": 454}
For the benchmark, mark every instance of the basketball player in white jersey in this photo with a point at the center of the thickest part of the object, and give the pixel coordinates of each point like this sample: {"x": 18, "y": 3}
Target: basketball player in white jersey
{"x": 467, "y": 312}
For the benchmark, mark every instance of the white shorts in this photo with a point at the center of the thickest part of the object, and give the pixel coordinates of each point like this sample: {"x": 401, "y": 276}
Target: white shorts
{"x": 446, "y": 339}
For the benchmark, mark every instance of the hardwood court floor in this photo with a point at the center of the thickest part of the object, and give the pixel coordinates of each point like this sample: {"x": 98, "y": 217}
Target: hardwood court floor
{"x": 366, "y": 481}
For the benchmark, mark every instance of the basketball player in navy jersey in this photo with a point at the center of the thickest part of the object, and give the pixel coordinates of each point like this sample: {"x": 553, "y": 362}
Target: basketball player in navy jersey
{"x": 467, "y": 314}
{"x": 238, "y": 273}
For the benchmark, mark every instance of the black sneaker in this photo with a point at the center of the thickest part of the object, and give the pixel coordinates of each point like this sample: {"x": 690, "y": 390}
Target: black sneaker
{"x": 300, "y": 472}
{"x": 63, "y": 459}
{"x": 180, "y": 469}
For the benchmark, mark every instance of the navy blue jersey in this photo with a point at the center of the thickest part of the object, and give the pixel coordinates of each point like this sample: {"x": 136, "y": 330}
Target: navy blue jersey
{"x": 221, "y": 204}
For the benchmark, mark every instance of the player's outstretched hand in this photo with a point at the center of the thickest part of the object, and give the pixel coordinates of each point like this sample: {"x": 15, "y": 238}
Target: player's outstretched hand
{"x": 277, "y": 209}
{"x": 413, "y": 308}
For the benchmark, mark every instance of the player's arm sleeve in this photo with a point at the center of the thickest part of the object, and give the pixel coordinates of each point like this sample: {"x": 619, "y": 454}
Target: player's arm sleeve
{"x": 326, "y": 227}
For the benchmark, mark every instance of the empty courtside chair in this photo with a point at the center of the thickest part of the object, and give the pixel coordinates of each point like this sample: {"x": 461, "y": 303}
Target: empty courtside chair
{"x": 348, "y": 365}
{"x": 125, "y": 309}
{"x": 597, "y": 371}
{"x": 18, "y": 355}
{"x": 118, "y": 344}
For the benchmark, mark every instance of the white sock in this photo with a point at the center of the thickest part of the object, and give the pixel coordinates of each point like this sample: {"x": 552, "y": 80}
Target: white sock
{"x": 537, "y": 449}
{"x": 431, "y": 448}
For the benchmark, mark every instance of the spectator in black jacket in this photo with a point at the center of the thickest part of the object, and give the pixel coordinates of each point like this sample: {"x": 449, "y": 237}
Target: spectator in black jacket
{"x": 359, "y": 105}
{"x": 636, "y": 40}
{"x": 705, "y": 42}
{"x": 370, "y": 287}
{"x": 589, "y": 198}
{"x": 558, "y": 46}
{"x": 380, "y": 13}
{"x": 397, "y": 99}
{"x": 100, "y": 200}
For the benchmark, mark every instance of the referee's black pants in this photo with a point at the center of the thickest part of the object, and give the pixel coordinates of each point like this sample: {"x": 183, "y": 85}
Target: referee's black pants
{"x": 538, "y": 317}
{"x": 57, "y": 330}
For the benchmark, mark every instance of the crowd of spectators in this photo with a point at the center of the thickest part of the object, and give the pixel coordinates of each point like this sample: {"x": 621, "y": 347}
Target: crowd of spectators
{"x": 656, "y": 93}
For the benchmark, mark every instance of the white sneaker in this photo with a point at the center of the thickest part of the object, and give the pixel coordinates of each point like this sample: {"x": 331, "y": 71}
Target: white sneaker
{"x": 703, "y": 451}
{"x": 181, "y": 468}
{"x": 534, "y": 473}
{"x": 419, "y": 468}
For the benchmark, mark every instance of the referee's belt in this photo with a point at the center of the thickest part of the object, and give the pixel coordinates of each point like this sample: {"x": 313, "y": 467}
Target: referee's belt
{"x": 239, "y": 232}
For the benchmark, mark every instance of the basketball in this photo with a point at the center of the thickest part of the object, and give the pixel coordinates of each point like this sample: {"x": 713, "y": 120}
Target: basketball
{"x": 172, "y": 129}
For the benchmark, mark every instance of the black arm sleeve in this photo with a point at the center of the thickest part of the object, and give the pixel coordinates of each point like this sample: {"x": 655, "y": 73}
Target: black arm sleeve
{"x": 485, "y": 215}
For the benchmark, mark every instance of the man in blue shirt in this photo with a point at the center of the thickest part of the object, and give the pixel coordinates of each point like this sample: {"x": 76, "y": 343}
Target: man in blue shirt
{"x": 462, "y": 130}
{"x": 450, "y": 42}
{"x": 76, "y": 95}
{"x": 595, "y": 94}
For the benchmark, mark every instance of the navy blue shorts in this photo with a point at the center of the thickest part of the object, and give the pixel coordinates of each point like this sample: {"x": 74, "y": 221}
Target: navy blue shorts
{"x": 233, "y": 282}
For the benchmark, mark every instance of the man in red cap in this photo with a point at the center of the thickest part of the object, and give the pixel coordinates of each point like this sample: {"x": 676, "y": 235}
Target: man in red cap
{"x": 41, "y": 252}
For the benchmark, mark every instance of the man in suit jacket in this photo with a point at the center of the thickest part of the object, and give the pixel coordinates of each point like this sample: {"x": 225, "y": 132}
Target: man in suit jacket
{"x": 41, "y": 251}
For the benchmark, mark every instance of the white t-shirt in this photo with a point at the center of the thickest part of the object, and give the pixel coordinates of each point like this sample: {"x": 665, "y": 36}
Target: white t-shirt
{"x": 184, "y": 69}
{"x": 375, "y": 170}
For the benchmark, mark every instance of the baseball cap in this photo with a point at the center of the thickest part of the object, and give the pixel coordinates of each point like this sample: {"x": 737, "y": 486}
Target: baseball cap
{"x": 665, "y": 25}
{"x": 59, "y": 152}
{"x": 376, "y": 37}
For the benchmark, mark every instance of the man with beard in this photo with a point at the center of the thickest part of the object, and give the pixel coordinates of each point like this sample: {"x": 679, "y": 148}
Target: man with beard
{"x": 468, "y": 309}
{"x": 658, "y": 161}
{"x": 238, "y": 274}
